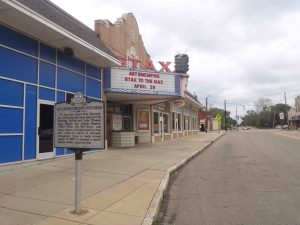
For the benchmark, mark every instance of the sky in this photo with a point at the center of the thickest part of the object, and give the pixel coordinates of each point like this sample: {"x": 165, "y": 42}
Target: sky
{"x": 239, "y": 50}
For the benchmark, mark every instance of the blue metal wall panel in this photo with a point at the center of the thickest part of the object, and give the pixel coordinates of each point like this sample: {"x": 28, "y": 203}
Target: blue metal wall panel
{"x": 69, "y": 152}
{"x": 93, "y": 88}
{"x": 93, "y": 71}
{"x": 18, "y": 41}
{"x": 11, "y": 93}
{"x": 11, "y": 120}
{"x": 17, "y": 66}
{"x": 60, "y": 151}
{"x": 60, "y": 96}
{"x": 30, "y": 123}
{"x": 69, "y": 81}
{"x": 47, "y": 94}
{"x": 11, "y": 149}
{"x": 47, "y": 74}
{"x": 47, "y": 53}
{"x": 107, "y": 78}
{"x": 70, "y": 62}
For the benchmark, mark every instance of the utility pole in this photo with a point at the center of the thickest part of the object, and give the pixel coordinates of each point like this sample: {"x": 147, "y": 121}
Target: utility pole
{"x": 286, "y": 111}
{"x": 274, "y": 118}
{"x": 236, "y": 126}
{"x": 206, "y": 115}
{"x": 225, "y": 115}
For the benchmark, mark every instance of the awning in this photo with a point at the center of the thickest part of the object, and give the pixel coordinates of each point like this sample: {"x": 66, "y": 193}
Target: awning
{"x": 126, "y": 98}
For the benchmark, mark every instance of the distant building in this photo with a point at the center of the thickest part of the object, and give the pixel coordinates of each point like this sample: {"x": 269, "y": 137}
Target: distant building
{"x": 294, "y": 115}
{"x": 204, "y": 121}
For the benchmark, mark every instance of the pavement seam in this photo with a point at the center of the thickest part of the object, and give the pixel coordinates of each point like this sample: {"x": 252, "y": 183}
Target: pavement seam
{"x": 156, "y": 201}
{"x": 23, "y": 211}
{"x": 36, "y": 199}
{"x": 117, "y": 183}
{"x": 62, "y": 219}
{"x": 124, "y": 214}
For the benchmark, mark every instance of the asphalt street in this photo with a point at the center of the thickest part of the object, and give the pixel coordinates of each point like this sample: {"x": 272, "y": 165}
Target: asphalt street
{"x": 245, "y": 178}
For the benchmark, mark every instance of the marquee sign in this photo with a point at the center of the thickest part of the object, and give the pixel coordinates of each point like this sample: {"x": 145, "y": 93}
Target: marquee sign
{"x": 128, "y": 79}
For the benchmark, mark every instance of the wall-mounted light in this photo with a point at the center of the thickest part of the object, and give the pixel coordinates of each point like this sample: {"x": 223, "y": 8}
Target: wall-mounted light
{"x": 68, "y": 51}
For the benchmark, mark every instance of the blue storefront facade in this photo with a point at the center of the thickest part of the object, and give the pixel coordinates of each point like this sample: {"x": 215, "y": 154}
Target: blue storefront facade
{"x": 33, "y": 77}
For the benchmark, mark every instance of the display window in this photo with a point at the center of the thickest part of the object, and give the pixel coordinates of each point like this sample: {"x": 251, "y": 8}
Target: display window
{"x": 156, "y": 123}
{"x": 143, "y": 120}
{"x": 166, "y": 123}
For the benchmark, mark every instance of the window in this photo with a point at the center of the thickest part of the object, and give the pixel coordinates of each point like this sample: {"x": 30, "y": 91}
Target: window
{"x": 174, "y": 115}
{"x": 156, "y": 123}
{"x": 194, "y": 123}
{"x": 179, "y": 122}
{"x": 127, "y": 123}
{"x": 186, "y": 123}
{"x": 117, "y": 108}
{"x": 143, "y": 120}
{"x": 110, "y": 107}
{"x": 69, "y": 97}
{"x": 166, "y": 124}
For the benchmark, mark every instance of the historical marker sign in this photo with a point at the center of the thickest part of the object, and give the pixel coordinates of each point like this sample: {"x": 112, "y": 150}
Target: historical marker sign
{"x": 79, "y": 125}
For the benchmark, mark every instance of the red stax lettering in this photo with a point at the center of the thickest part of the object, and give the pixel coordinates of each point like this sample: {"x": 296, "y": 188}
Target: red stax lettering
{"x": 122, "y": 60}
{"x": 134, "y": 62}
{"x": 130, "y": 79}
{"x": 164, "y": 66}
{"x": 149, "y": 65}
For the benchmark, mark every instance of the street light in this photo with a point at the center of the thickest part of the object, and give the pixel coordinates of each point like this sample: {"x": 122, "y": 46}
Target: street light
{"x": 206, "y": 109}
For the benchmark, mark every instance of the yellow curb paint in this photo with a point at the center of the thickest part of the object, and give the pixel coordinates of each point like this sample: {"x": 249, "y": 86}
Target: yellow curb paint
{"x": 287, "y": 136}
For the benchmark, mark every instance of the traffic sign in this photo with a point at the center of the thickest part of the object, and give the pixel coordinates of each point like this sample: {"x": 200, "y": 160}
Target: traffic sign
{"x": 218, "y": 117}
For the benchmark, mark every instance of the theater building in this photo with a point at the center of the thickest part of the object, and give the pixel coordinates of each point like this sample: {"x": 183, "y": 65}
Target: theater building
{"x": 46, "y": 56}
{"x": 146, "y": 101}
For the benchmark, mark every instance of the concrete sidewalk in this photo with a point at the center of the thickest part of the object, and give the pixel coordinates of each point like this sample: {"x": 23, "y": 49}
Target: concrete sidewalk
{"x": 120, "y": 187}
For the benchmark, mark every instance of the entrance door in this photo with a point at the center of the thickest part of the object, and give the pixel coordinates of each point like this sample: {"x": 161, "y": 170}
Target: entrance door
{"x": 45, "y": 130}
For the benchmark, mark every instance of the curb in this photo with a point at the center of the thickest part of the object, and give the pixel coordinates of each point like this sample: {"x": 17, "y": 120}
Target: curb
{"x": 152, "y": 212}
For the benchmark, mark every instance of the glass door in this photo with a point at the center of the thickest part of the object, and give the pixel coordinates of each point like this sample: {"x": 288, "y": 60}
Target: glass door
{"x": 161, "y": 127}
{"x": 45, "y": 130}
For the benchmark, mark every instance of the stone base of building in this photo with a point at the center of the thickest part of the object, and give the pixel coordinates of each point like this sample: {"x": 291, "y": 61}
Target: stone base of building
{"x": 123, "y": 139}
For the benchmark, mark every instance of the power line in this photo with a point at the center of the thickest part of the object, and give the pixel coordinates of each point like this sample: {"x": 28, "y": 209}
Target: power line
{"x": 256, "y": 92}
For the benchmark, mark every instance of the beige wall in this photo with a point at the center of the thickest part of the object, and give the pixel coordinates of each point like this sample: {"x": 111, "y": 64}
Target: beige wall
{"x": 123, "y": 37}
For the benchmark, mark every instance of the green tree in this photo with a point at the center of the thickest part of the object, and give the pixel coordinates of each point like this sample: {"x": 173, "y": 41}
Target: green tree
{"x": 265, "y": 115}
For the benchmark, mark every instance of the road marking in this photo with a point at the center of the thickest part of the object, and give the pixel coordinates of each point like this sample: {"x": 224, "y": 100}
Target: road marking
{"x": 287, "y": 136}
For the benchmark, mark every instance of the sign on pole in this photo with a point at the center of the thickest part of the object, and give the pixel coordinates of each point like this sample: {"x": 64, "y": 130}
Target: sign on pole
{"x": 281, "y": 115}
{"x": 218, "y": 117}
{"x": 79, "y": 126}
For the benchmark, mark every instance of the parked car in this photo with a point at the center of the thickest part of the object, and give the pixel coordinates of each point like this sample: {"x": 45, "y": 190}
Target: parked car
{"x": 245, "y": 128}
